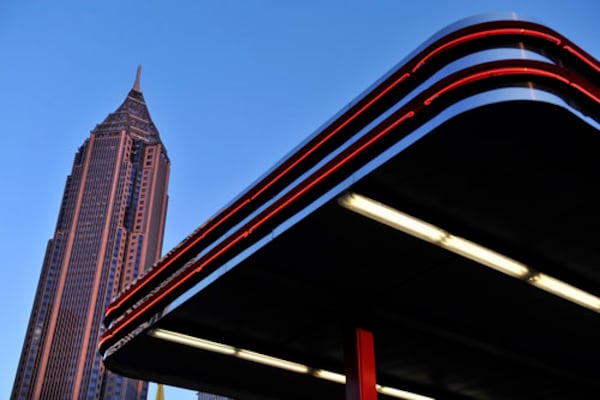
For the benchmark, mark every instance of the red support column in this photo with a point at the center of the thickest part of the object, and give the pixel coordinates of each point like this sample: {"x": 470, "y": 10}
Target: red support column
{"x": 359, "y": 355}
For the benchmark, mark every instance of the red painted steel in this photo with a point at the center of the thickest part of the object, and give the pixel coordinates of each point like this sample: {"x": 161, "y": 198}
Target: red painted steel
{"x": 359, "y": 357}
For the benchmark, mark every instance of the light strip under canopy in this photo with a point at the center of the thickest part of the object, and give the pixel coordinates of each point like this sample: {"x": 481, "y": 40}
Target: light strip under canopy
{"x": 428, "y": 232}
{"x": 216, "y": 347}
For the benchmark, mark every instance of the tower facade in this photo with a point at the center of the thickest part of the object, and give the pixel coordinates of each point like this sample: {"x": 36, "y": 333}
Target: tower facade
{"x": 109, "y": 231}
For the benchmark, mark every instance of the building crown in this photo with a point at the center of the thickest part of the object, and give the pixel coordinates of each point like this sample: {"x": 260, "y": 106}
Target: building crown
{"x": 132, "y": 115}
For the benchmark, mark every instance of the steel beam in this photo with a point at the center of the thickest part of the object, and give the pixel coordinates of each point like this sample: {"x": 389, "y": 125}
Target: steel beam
{"x": 359, "y": 358}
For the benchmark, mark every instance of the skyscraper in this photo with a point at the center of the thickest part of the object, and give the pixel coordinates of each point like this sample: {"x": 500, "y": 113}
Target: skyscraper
{"x": 109, "y": 231}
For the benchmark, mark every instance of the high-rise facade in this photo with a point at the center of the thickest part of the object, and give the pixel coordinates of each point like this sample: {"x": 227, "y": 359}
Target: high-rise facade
{"x": 109, "y": 231}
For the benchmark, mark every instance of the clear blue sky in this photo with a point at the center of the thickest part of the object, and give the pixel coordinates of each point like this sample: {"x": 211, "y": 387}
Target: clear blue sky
{"x": 231, "y": 85}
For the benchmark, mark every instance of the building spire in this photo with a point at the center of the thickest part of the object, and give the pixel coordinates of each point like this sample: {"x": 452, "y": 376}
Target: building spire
{"x": 136, "y": 85}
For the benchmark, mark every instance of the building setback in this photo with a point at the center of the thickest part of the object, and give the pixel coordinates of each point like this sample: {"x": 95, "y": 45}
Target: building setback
{"x": 109, "y": 231}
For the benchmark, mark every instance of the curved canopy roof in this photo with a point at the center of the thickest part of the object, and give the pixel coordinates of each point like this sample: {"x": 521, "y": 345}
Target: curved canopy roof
{"x": 451, "y": 210}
